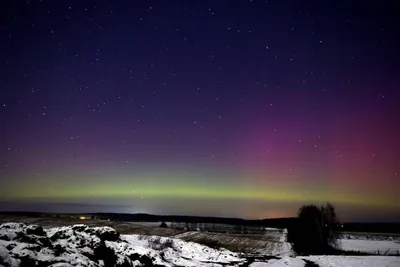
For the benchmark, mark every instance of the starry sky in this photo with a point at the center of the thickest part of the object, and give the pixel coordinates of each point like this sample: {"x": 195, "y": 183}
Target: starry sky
{"x": 225, "y": 108}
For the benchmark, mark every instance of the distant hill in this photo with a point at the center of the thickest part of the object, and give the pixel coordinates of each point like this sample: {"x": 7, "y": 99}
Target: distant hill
{"x": 277, "y": 223}
{"x": 143, "y": 217}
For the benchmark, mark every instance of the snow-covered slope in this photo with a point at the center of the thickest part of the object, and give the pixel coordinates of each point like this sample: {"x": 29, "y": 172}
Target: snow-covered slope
{"x": 182, "y": 253}
{"x": 80, "y": 245}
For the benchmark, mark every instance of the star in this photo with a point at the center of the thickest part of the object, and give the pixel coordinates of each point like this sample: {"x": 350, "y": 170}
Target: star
{"x": 132, "y": 98}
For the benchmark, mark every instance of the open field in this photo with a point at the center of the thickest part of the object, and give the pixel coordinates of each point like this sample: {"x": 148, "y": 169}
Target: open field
{"x": 369, "y": 236}
{"x": 270, "y": 243}
{"x": 375, "y": 243}
{"x": 381, "y": 247}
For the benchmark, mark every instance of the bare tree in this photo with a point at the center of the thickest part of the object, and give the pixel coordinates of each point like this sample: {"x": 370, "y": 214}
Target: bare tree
{"x": 313, "y": 232}
{"x": 332, "y": 221}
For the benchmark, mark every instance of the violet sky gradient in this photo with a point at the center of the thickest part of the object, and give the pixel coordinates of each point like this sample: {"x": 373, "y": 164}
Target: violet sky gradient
{"x": 227, "y": 108}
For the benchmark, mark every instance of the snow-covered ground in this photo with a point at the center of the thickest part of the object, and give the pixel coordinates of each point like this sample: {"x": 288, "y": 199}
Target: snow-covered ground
{"x": 370, "y": 236}
{"x": 272, "y": 242}
{"x": 333, "y": 261}
{"x": 283, "y": 262}
{"x": 80, "y": 245}
{"x": 355, "y": 261}
{"x": 180, "y": 253}
{"x": 372, "y": 246}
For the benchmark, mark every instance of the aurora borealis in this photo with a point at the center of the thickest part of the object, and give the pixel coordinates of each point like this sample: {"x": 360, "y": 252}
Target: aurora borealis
{"x": 228, "y": 108}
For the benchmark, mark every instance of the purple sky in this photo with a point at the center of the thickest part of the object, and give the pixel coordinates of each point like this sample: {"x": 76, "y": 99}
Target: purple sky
{"x": 236, "y": 108}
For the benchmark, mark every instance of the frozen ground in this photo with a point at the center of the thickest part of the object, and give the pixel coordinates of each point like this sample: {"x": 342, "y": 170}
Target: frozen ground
{"x": 80, "y": 245}
{"x": 355, "y": 261}
{"x": 373, "y": 246}
{"x": 333, "y": 261}
{"x": 273, "y": 242}
{"x": 370, "y": 236}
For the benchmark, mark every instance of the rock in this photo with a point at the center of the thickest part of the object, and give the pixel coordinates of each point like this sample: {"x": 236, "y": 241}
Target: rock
{"x": 4, "y": 237}
{"x": 27, "y": 261}
{"x": 125, "y": 263}
{"x": 11, "y": 246}
{"x": 58, "y": 250}
{"x": 63, "y": 233}
{"x": 106, "y": 254}
{"x": 12, "y": 225}
{"x": 78, "y": 245}
{"x": 80, "y": 227}
{"x": 105, "y": 233}
{"x": 35, "y": 230}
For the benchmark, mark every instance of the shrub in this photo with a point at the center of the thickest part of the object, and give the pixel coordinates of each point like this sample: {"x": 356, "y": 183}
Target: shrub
{"x": 157, "y": 244}
{"x": 143, "y": 237}
{"x": 163, "y": 225}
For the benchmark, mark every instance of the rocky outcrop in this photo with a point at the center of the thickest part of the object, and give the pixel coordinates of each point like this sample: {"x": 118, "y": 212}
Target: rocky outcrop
{"x": 78, "y": 245}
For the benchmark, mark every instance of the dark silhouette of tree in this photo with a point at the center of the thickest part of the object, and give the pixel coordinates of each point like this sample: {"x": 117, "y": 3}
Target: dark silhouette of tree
{"x": 314, "y": 230}
{"x": 331, "y": 220}
{"x": 163, "y": 225}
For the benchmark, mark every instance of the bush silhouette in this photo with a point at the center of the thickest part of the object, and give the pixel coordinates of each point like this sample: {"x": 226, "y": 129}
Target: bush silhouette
{"x": 314, "y": 230}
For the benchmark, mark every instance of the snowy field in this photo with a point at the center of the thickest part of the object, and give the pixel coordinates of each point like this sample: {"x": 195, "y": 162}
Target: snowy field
{"x": 370, "y": 236}
{"x": 332, "y": 261}
{"x": 272, "y": 242}
{"x": 382, "y": 243}
{"x": 81, "y": 245}
{"x": 372, "y": 246}
{"x": 354, "y": 261}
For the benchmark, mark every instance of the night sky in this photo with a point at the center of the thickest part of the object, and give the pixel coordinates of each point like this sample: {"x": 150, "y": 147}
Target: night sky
{"x": 226, "y": 108}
